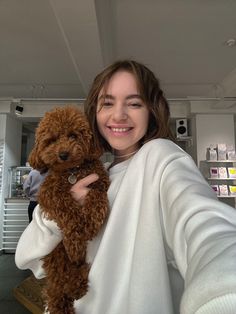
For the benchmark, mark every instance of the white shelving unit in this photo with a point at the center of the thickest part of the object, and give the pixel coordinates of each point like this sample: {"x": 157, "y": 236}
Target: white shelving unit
{"x": 220, "y": 161}
{"x": 211, "y": 180}
{"x": 1, "y": 188}
{"x": 1, "y": 166}
{"x": 15, "y": 220}
{"x": 221, "y": 179}
{"x": 15, "y": 210}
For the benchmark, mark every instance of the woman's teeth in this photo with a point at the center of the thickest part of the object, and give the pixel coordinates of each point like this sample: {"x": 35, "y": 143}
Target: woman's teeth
{"x": 120, "y": 129}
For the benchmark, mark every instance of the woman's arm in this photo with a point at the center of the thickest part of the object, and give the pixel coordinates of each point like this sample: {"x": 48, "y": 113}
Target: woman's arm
{"x": 201, "y": 233}
{"x": 39, "y": 239}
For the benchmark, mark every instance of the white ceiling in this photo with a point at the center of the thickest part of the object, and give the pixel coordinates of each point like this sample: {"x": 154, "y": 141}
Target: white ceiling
{"x": 54, "y": 48}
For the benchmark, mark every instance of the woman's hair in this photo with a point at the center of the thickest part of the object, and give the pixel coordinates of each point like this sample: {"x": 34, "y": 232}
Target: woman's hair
{"x": 152, "y": 95}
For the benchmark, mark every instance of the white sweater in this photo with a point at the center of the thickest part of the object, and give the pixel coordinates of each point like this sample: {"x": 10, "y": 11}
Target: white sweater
{"x": 163, "y": 216}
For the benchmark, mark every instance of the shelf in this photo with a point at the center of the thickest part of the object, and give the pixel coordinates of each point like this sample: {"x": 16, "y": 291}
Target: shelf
{"x": 222, "y": 179}
{"x": 226, "y": 196}
{"x": 184, "y": 139}
{"x": 220, "y": 161}
{"x": 206, "y": 167}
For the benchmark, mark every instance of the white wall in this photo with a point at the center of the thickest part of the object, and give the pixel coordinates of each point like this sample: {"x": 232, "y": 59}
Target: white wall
{"x": 179, "y": 109}
{"x": 213, "y": 129}
{"x": 13, "y": 140}
{"x": 30, "y": 144}
{"x": 10, "y": 132}
{"x": 2, "y": 126}
{"x": 12, "y": 154}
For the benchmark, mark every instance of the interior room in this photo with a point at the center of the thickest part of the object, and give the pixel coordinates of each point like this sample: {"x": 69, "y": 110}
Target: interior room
{"x": 51, "y": 50}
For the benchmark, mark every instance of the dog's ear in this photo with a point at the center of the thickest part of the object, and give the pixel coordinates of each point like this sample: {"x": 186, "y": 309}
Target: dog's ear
{"x": 35, "y": 160}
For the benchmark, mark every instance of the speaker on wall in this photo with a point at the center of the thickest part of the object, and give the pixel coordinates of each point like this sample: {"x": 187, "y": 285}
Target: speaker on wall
{"x": 181, "y": 128}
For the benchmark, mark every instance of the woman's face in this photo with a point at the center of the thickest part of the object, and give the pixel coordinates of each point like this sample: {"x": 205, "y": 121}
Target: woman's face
{"x": 122, "y": 116}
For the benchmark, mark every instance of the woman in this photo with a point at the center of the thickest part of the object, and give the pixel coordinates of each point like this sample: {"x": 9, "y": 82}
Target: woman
{"x": 166, "y": 226}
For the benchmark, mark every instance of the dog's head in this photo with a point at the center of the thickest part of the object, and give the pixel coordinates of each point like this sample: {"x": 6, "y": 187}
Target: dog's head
{"x": 63, "y": 140}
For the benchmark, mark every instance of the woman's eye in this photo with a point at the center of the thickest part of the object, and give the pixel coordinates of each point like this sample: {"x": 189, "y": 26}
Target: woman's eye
{"x": 72, "y": 136}
{"x": 135, "y": 105}
{"x": 107, "y": 104}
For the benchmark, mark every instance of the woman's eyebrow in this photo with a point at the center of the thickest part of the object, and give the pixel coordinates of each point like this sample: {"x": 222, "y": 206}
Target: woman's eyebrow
{"x": 107, "y": 96}
{"x": 134, "y": 96}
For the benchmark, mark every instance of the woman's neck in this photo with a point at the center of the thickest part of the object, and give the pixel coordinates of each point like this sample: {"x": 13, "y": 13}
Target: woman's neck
{"x": 118, "y": 158}
{"x": 125, "y": 156}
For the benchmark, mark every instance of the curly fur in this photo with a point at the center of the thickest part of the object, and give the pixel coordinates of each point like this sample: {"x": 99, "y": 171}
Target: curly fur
{"x": 64, "y": 142}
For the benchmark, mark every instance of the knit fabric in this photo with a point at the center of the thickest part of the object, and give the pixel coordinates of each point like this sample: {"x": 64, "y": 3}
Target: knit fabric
{"x": 165, "y": 224}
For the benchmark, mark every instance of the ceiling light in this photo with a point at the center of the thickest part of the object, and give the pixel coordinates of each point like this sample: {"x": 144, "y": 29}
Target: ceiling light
{"x": 230, "y": 42}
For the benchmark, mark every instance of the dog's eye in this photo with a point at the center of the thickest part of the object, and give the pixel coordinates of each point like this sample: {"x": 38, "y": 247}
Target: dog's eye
{"x": 72, "y": 136}
{"x": 51, "y": 140}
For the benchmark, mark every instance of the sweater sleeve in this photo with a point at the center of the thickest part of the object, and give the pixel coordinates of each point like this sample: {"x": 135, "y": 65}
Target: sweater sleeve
{"x": 39, "y": 238}
{"x": 201, "y": 233}
{"x": 26, "y": 185}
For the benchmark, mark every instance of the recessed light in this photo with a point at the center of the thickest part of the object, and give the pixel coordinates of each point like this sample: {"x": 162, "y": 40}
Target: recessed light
{"x": 230, "y": 42}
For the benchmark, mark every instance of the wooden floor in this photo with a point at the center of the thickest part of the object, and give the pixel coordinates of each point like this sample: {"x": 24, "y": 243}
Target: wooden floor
{"x": 28, "y": 293}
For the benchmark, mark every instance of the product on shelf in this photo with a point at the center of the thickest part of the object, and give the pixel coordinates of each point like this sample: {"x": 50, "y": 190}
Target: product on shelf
{"x": 232, "y": 189}
{"x": 232, "y": 172}
{"x": 211, "y": 153}
{"x": 222, "y": 173}
{"x": 214, "y": 172}
{"x": 221, "y": 150}
{"x": 215, "y": 188}
{"x": 223, "y": 189}
{"x": 231, "y": 155}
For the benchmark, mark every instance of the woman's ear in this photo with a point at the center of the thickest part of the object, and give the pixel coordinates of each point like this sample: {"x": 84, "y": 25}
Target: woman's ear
{"x": 36, "y": 161}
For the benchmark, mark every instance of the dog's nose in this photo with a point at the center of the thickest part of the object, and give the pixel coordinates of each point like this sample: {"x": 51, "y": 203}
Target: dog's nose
{"x": 63, "y": 155}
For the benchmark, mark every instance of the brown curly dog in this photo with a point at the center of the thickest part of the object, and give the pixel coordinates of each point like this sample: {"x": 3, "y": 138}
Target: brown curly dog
{"x": 64, "y": 146}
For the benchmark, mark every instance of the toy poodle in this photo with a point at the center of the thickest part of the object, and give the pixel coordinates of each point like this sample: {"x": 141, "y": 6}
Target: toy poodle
{"x": 64, "y": 147}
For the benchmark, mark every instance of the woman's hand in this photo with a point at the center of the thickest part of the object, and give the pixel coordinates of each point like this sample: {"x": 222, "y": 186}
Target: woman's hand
{"x": 80, "y": 189}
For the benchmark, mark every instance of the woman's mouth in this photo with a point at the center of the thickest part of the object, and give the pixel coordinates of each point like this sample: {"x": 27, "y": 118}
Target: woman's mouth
{"x": 120, "y": 130}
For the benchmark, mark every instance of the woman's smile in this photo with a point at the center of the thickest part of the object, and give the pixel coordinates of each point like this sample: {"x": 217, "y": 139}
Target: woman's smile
{"x": 119, "y": 131}
{"x": 122, "y": 115}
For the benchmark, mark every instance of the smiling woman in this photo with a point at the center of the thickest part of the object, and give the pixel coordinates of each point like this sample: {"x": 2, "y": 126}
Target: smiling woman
{"x": 143, "y": 89}
{"x": 122, "y": 115}
{"x": 168, "y": 245}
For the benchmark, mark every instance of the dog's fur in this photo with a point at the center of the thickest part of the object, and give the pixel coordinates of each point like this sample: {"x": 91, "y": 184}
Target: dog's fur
{"x": 64, "y": 143}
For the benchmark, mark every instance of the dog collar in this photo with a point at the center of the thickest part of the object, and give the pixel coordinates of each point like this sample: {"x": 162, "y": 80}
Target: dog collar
{"x": 72, "y": 179}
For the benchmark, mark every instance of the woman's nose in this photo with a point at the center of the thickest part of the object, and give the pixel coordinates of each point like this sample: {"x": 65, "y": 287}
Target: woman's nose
{"x": 119, "y": 112}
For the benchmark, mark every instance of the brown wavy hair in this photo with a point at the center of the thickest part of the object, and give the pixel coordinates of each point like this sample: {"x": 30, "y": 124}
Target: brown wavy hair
{"x": 150, "y": 91}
